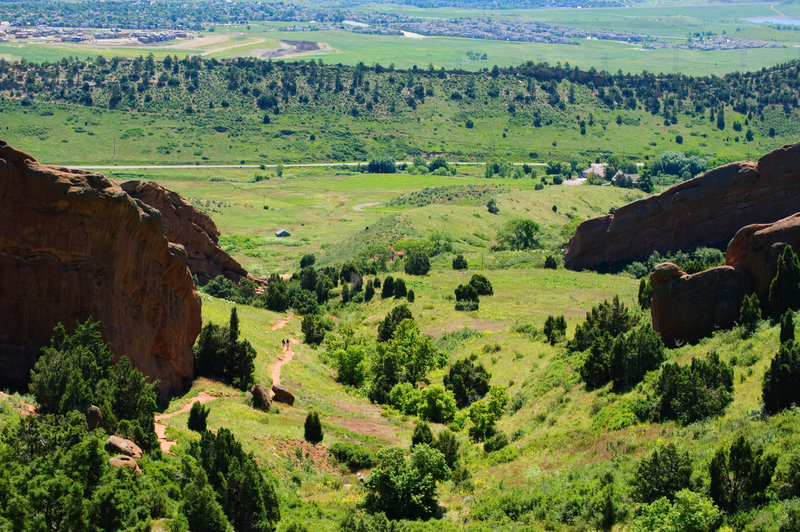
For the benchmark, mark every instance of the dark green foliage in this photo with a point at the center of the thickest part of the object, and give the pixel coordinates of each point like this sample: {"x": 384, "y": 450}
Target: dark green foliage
{"x": 369, "y": 291}
{"x": 492, "y": 207}
{"x": 495, "y": 443}
{"x": 411, "y": 296}
{"x": 645, "y": 293}
{"x": 387, "y": 290}
{"x": 663, "y": 473}
{"x": 312, "y": 429}
{"x": 387, "y": 327}
{"x": 346, "y": 293}
{"x": 740, "y": 476}
{"x": 459, "y": 263}
{"x": 417, "y": 263}
{"x": 466, "y": 297}
{"x": 690, "y": 393}
{"x": 307, "y": 260}
{"x": 635, "y": 353}
{"x": 219, "y": 354}
{"x": 308, "y": 278}
{"x": 438, "y": 162}
{"x": 784, "y": 290}
{"x": 224, "y": 288}
{"x": 201, "y": 508}
{"x": 613, "y": 318}
{"x": 555, "y": 328}
{"x": 76, "y": 371}
{"x": 749, "y": 314}
{"x": 247, "y": 498}
{"x": 301, "y": 300}
{"x": 468, "y": 381}
{"x": 314, "y": 328}
{"x": 595, "y": 370}
{"x": 787, "y": 327}
{"x": 697, "y": 260}
{"x": 551, "y": 262}
{"x": 422, "y": 434}
{"x": 400, "y": 289}
{"x": 354, "y": 456}
{"x": 519, "y": 234}
{"x": 377, "y": 282}
{"x": 384, "y": 165}
{"x": 276, "y": 296}
{"x": 197, "y": 417}
{"x": 404, "y": 488}
{"x": 447, "y": 444}
{"x": 781, "y": 386}
{"x": 481, "y": 285}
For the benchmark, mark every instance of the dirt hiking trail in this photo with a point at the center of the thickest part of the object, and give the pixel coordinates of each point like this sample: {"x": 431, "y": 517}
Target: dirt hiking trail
{"x": 161, "y": 429}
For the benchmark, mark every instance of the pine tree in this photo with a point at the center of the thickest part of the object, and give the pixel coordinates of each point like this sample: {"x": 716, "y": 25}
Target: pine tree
{"x": 784, "y": 291}
{"x": 312, "y": 428}
{"x": 750, "y": 314}
{"x": 787, "y": 327}
{"x": 197, "y": 417}
{"x": 369, "y": 291}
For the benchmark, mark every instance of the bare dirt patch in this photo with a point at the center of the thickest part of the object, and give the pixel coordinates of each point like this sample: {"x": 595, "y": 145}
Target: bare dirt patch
{"x": 293, "y": 49}
{"x": 161, "y": 429}
{"x": 18, "y": 404}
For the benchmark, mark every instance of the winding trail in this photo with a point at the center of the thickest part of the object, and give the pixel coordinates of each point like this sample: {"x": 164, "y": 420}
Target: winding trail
{"x": 161, "y": 429}
{"x": 287, "y": 354}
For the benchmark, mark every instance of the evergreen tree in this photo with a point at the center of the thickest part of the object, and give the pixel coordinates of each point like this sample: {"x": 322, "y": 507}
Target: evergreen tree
{"x": 740, "y": 476}
{"x": 466, "y": 297}
{"x": 387, "y": 327}
{"x": 400, "y": 289}
{"x": 219, "y": 354}
{"x": 369, "y": 291}
{"x": 312, "y": 429}
{"x": 387, "y": 290}
{"x": 663, "y": 473}
{"x": 411, "y": 296}
{"x": 750, "y": 314}
{"x": 784, "y": 290}
{"x": 481, "y": 285}
{"x": 645, "y": 293}
{"x": 781, "y": 385}
{"x": 346, "y": 293}
{"x": 787, "y": 327}
{"x": 459, "y": 263}
{"x": 417, "y": 263}
{"x": 422, "y": 434}
{"x": 201, "y": 508}
{"x": 197, "y": 417}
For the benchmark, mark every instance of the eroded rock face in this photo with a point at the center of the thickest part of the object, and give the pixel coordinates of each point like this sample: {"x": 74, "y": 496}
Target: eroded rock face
{"x": 704, "y": 211}
{"x": 688, "y": 307}
{"x": 74, "y": 245}
{"x": 190, "y": 227}
{"x": 261, "y": 398}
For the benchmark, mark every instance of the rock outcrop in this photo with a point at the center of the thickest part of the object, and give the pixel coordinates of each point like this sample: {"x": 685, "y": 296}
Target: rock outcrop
{"x": 74, "y": 245}
{"x": 282, "y": 394}
{"x": 688, "y": 307}
{"x": 704, "y": 211}
{"x": 115, "y": 444}
{"x": 261, "y": 398}
{"x": 190, "y": 227}
{"x": 124, "y": 461}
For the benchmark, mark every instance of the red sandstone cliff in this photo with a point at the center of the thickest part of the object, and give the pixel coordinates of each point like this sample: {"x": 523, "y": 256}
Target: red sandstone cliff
{"x": 706, "y": 210}
{"x": 189, "y": 227}
{"x": 688, "y": 307}
{"x": 74, "y": 245}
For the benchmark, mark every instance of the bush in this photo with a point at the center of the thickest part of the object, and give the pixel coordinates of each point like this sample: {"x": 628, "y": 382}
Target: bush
{"x": 749, "y": 314}
{"x": 438, "y": 404}
{"x": 635, "y": 353}
{"x": 422, "y": 434}
{"x": 645, "y": 293}
{"x": 459, "y": 263}
{"x": 690, "y": 393}
{"x": 691, "y": 512}
{"x": 411, "y": 296}
{"x": 417, "y": 263}
{"x": 481, "y": 285}
{"x": 387, "y": 327}
{"x": 354, "y": 456}
{"x": 555, "y": 328}
{"x": 312, "y": 428}
{"x": 519, "y": 234}
{"x": 551, "y": 262}
{"x": 384, "y": 165}
{"x": 787, "y": 327}
{"x": 468, "y": 381}
{"x": 740, "y": 476}
{"x": 351, "y": 364}
{"x": 781, "y": 385}
{"x": 495, "y": 443}
{"x": 307, "y": 260}
{"x": 387, "y": 290}
{"x": 369, "y": 291}
{"x": 612, "y": 318}
{"x": 447, "y": 444}
{"x": 466, "y": 297}
{"x": 400, "y": 289}
{"x": 492, "y": 207}
{"x": 314, "y": 328}
{"x": 784, "y": 290}
{"x": 663, "y": 473}
{"x": 197, "y": 417}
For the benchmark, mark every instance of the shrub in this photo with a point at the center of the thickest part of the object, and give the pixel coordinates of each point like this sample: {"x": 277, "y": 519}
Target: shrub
{"x": 417, "y": 263}
{"x": 459, "y": 263}
{"x": 787, "y": 327}
{"x": 749, "y": 314}
{"x": 466, "y": 297}
{"x": 690, "y": 393}
{"x": 740, "y": 476}
{"x": 635, "y": 353}
{"x": 691, "y": 512}
{"x": 663, "y": 473}
{"x": 551, "y": 262}
{"x": 387, "y": 327}
{"x": 307, "y": 260}
{"x": 314, "y": 328}
{"x": 481, "y": 285}
{"x": 411, "y": 296}
{"x": 492, "y": 207}
{"x": 784, "y": 290}
{"x": 388, "y": 287}
{"x": 384, "y": 165}
{"x": 613, "y": 318}
{"x": 468, "y": 381}
{"x": 781, "y": 385}
{"x": 438, "y": 404}
{"x": 354, "y": 456}
{"x": 422, "y": 434}
{"x": 351, "y": 364}
{"x": 312, "y": 428}
{"x": 400, "y": 289}
{"x": 645, "y": 293}
{"x": 406, "y": 398}
{"x": 447, "y": 444}
{"x": 495, "y": 443}
{"x": 519, "y": 234}
{"x": 555, "y": 328}
{"x": 197, "y": 417}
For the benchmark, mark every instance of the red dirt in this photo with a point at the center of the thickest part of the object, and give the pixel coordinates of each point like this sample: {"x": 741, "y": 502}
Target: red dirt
{"x": 24, "y": 408}
{"x": 161, "y": 429}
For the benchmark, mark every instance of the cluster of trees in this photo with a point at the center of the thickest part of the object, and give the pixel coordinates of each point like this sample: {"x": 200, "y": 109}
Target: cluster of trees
{"x": 77, "y": 371}
{"x": 467, "y": 295}
{"x": 220, "y": 354}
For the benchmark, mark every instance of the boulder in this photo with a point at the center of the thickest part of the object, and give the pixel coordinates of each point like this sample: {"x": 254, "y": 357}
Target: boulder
{"x": 94, "y": 417}
{"x": 74, "y": 245}
{"x": 190, "y": 227}
{"x": 687, "y": 307}
{"x": 704, "y": 211}
{"x": 282, "y": 394}
{"x": 124, "y": 461}
{"x": 115, "y": 444}
{"x": 261, "y": 398}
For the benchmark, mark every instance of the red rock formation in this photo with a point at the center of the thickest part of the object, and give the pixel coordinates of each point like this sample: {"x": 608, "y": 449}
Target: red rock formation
{"x": 74, "y": 245}
{"x": 703, "y": 211}
{"x": 192, "y": 228}
{"x": 688, "y": 307}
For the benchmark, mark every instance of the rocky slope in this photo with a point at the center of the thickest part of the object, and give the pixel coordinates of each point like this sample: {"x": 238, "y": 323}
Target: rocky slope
{"x": 74, "y": 245}
{"x": 703, "y": 211}
{"x": 190, "y": 227}
{"x": 687, "y": 307}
